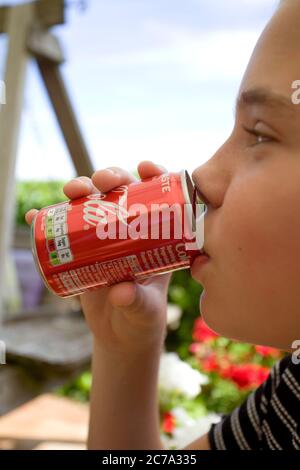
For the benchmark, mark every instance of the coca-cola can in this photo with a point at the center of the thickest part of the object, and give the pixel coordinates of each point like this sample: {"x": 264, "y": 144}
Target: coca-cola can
{"x": 145, "y": 228}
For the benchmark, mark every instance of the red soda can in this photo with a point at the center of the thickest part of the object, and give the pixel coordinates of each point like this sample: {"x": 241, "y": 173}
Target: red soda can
{"x": 135, "y": 231}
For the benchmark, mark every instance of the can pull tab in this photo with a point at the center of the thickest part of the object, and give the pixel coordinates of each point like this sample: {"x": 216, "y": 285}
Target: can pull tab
{"x": 194, "y": 203}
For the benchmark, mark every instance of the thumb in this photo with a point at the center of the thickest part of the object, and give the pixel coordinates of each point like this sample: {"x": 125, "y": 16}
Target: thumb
{"x": 126, "y": 295}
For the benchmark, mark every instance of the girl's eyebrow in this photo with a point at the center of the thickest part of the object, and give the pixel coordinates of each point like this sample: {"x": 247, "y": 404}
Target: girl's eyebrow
{"x": 269, "y": 99}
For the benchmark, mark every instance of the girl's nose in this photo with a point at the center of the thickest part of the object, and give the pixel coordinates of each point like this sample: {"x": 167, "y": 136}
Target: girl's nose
{"x": 212, "y": 180}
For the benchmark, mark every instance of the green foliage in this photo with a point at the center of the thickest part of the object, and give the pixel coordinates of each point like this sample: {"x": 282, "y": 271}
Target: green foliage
{"x": 196, "y": 408}
{"x": 37, "y": 194}
{"x": 185, "y": 292}
{"x": 222, "y": 396}
{"x": 79, "y": 389}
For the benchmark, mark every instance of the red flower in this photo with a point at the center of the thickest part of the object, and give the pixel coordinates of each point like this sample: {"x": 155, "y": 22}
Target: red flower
{"x": 194, "y": 348}
{"x": 246, "y": 376}
{"x": 266, "y": 351}
{"x": 169, "y": 422}
{"x": 210, "y": 363}
{"x": 202, "y": 332}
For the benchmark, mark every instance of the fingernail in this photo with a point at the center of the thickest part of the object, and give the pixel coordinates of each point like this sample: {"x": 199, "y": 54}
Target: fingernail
{"x": 85, "y": 181}
{"x": 161, "y": 168}
{"x": 113, "y": 172}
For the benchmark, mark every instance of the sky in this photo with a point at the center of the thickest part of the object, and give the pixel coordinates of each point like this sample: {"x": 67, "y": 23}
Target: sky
{"x": 149, "y": 79}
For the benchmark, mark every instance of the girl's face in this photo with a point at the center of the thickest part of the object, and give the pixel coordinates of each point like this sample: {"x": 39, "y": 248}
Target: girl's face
{"x": 252, "y": 190}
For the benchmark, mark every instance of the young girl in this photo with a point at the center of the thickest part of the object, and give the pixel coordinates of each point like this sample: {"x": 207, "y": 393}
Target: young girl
{"x": 251, "y": 187}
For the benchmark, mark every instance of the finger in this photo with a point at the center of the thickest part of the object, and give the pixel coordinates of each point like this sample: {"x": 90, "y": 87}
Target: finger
{"x": 79, "y": 187}
{"x": 147, "y": 169}
{"x": 131, "y": 297}
{"x": 29, "y": 216}
{"x": 123, "y": 294}
{"x": 112, "y": 177}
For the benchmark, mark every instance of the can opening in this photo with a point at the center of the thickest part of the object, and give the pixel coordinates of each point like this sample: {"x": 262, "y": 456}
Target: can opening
{"x": 192, "y": 198}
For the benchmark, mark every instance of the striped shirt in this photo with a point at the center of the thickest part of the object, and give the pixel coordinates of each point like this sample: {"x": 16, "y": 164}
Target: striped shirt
{"x": 268, "y": 419}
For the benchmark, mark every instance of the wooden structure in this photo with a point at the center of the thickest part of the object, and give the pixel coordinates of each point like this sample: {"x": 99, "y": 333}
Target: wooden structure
{"x": 29, "y": 38}
{"x": 27, "y": 26}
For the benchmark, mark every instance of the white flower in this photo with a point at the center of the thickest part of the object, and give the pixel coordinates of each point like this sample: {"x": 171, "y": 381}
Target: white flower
{"x": 177, "y": 375}
{"x": 188, "y": 429}
{"x": 183, "y": 419}
{"x": 186, "y": 434}
{"x": 174, "y": 314}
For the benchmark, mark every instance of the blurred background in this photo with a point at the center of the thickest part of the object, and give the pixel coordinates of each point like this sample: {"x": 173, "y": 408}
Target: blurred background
{"x": 149, "y": 79}
{"x": 145, "y": 80}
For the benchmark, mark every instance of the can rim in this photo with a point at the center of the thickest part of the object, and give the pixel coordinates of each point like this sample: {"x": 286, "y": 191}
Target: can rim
{"x": 188, "y": 189}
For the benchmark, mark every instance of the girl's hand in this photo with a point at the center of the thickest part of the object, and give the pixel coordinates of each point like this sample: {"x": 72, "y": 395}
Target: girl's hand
{"x": 129, "y": 317}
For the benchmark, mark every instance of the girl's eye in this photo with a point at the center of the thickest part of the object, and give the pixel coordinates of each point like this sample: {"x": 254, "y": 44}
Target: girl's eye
{"x": 261, "y": 138}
